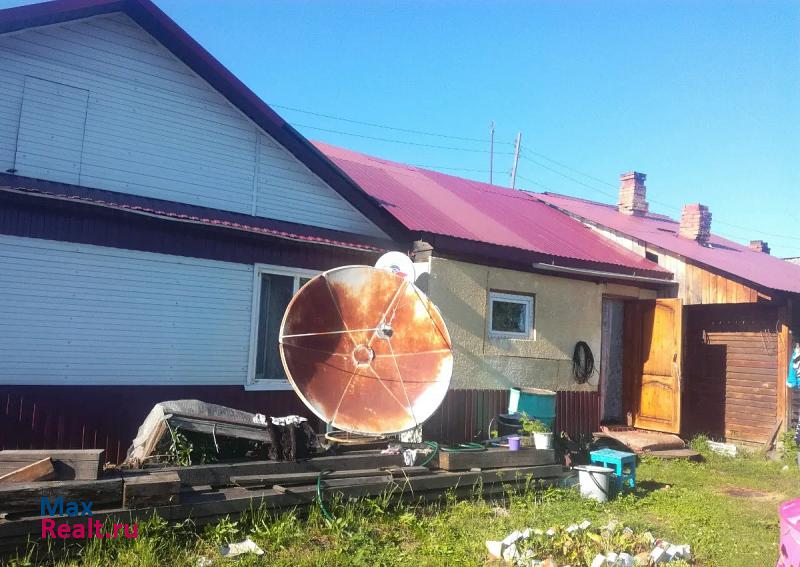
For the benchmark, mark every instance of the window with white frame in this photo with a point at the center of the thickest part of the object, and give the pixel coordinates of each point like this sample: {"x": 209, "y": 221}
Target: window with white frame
{"x": 273, "y": 288}
{"x": 511, "y": 315}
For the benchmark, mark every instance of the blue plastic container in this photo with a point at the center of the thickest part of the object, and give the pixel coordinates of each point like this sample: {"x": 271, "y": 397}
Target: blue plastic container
{"x": 536, "y": 403}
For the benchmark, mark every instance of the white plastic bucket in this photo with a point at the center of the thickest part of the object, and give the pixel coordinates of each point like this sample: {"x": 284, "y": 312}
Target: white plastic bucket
{"x": 595, "y": 481}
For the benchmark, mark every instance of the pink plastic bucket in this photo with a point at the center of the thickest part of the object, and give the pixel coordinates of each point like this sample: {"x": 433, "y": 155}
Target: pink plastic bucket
{"x": 790, "y": 534}
{"x": 513, "y": 442}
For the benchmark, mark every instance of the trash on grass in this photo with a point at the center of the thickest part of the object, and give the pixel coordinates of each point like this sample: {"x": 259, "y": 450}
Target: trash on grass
{"x": 392, "y": 449}
{"x": 240, "y": 548}
{"x": 518, "y": 549}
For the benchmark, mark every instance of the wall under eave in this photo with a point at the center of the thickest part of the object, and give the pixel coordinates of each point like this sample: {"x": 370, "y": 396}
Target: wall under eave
{"x": 566, "y": 311}
{"x": 696, "y": 284}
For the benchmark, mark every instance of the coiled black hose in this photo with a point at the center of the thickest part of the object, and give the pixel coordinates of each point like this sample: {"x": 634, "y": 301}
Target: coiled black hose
{"x": 582, "y": 362}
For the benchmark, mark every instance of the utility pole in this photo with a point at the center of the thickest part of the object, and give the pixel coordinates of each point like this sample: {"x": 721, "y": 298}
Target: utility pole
{"x": 516, "y": 160}
{"x": 491, "y": 151}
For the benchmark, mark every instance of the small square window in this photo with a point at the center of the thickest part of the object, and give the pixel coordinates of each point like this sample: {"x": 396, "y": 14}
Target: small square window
{"x": 510, "y": 315}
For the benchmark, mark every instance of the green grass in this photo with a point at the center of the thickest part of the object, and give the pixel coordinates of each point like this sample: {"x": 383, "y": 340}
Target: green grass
{"x": 725, "y": 508}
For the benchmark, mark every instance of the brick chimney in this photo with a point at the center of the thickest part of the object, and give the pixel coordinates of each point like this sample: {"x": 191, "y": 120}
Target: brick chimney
{"x": 696, "y": 223}
{"x": 759, "y": 246}
{"x": 632, "y": 194}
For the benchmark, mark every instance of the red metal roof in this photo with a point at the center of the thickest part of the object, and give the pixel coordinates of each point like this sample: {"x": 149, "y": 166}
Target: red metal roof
{"x": 661, "y": 231}
{"x": 430, "y": 202}
{"x": 189, "y": 213}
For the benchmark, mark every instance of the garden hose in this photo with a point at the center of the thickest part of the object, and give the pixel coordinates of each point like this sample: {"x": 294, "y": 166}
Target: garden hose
{"x": 325, "y": 513}
{"x": 460, "y": 448}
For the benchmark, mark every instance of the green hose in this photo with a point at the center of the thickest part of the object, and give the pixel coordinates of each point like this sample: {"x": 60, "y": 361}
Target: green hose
{"x": 460, "y": 448}
{"x": 320, "y": 502}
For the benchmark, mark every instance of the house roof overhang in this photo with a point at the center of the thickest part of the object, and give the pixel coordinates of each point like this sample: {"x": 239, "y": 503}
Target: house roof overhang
{"x": 191, "y": 214}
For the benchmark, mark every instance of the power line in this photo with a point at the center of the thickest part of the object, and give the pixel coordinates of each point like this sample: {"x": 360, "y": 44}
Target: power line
{"x": 472, "y": 170}
{"x": 377, "y": 138}
{"x": 385, "y": 126}
{"x": 537, "y": 183}
{"x": 564, "y": 175}
{"x": 669, "y": 206}
{"x": 523, "y": 151}
{"x": 565, "y": 166}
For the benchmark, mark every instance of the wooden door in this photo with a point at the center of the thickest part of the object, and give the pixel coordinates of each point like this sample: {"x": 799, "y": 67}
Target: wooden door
{"x": 654, "y": 333}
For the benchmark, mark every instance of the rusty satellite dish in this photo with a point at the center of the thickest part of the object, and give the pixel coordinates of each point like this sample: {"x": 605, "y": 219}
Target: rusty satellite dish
{"x": 366, "y": 350}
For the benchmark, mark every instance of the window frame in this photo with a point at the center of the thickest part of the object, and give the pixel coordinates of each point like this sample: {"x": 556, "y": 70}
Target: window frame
{"x": 529, "y": 301}
{"x": 273, "y": 384}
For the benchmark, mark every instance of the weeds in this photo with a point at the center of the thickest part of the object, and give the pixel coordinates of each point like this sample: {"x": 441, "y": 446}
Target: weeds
{"x": 790, "y": 448}
{"x": 725, "y": 508}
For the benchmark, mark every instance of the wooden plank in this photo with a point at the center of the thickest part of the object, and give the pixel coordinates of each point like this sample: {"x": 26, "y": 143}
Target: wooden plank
{"x": 784, "y": 352}
{"x": 746, "y": 372}
{"x": 27, "y": 497}
{"x": 288, "y": 479}
{"x": 70, "y": 464}
{"x": 752, "y": 410}
{"x": 493, "y": 458}
{"x": 208, "y": 506}
{"x": 34, "y": 472}
{"x": 156, "y": 489}
{"x": 749, "y": 394}
{"x": 751, "y": 382}
{"x": 741, "y": 335}
{"x": 220, "y": 474}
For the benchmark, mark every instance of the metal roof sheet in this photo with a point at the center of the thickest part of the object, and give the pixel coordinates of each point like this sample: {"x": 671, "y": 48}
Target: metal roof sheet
{"x": 432, "y": 202}
{"x": 189, "y": 213}
{"x": 659, "y": 230}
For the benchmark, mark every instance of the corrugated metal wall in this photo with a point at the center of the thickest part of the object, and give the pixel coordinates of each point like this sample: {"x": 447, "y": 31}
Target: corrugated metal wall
{"x": 578, "y": 414}
{"x": 465, "y": 414}
{"x": 107, "y": 417}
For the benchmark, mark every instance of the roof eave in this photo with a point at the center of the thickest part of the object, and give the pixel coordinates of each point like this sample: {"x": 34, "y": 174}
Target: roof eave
{"x": 524, "y": 260}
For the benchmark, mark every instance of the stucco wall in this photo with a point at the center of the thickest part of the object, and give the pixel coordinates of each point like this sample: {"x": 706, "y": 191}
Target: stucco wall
{"x": 566, "y": 311}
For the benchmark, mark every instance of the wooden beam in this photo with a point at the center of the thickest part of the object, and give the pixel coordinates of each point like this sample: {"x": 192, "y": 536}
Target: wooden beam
{"x": 203, "y": 507}
{"x": 38, "y": 471}
{"x": 158, "y": 489}
{"x": 220, "y": 474}
{"x": 494, "y": 458}
{"x": 70, "y": 464}
{"x": 783, "y": 409}
{"x": 27, "y": 497}
{"x": 288, "y": 479}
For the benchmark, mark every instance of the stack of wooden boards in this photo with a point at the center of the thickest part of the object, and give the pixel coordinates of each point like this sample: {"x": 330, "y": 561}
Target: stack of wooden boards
{"x": 206, "y": 493}
{"x": 39, "y": 465}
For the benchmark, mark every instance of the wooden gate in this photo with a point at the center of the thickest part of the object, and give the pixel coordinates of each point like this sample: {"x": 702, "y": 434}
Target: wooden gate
{"x": 652, "y": 370}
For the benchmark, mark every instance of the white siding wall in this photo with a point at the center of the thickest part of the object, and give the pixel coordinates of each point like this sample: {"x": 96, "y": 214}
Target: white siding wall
{"x": 82, "y": 314}
{"x": 152, "y": 127}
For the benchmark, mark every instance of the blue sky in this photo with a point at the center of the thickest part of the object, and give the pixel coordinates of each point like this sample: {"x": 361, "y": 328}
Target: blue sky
{"x": 703, "y": 96}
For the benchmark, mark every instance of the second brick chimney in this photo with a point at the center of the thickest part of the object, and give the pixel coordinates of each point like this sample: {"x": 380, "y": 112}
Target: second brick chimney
{"x": 695, "y": 223}
{"x": 759, "y": 246}
{"x": 632, "y": 194}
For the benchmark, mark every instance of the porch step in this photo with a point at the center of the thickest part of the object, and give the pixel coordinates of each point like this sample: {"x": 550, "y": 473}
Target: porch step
{"x": 641, "y": 441}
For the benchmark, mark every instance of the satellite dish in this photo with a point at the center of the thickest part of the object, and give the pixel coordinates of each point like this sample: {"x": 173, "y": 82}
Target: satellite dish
{"x": 366, "y": 350}
{"x": 398, "y": 263}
